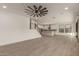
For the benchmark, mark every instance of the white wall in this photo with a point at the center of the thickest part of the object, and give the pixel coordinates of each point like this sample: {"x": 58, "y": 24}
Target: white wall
{"x": 13, "y": 21}
{"x": 13, "y": 37}
{"x": 14, "y": 27}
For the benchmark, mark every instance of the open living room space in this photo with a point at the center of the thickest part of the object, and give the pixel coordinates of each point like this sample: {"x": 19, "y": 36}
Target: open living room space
{"x": 39, "y": 29}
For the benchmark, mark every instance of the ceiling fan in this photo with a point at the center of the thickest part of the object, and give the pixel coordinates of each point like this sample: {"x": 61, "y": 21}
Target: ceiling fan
{"x": 36, "y": 11}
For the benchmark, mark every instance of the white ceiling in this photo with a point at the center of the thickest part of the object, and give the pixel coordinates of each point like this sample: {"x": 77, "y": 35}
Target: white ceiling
{"x": 53, "y": 8}
{"x": 19, "y": 7}
{"x": 73, "y": 7}
{"x": 13, "y": 7}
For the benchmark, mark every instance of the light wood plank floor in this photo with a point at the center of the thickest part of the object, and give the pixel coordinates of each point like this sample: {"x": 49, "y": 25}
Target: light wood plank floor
{"x": 45, "y": 46}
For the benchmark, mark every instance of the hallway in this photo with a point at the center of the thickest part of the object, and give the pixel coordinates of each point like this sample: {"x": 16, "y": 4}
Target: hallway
{"x": 45, "y": 46}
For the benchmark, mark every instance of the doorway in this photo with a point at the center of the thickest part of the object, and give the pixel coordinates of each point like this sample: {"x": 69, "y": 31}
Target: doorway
{"x": 77, "y": 29}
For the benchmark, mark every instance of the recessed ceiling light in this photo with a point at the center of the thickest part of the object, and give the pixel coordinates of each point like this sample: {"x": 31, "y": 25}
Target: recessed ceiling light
{"x": 4, "y": 6}
{"x": 66, "y": 8}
